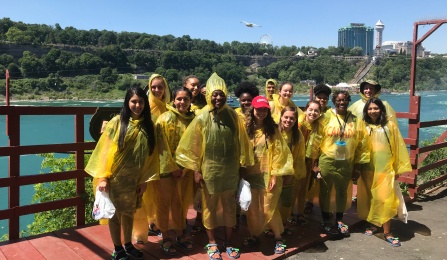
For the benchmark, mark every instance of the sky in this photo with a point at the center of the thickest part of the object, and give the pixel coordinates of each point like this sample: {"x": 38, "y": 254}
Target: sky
{"x": 288, "y": 22}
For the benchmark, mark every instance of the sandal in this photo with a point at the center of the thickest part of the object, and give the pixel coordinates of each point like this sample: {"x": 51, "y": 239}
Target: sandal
{"x": 297, "y": 220}
{"x": 133, "y": 252}
{"x": 280, "y": 248}
{"x": 197, "y": 227}
{"x": 251, "y": 241}
{"x": 231, "y": 250}
{"x": 343, "y": 228}
{"x": 119, "y": 255}
{"x": 170, "y": 250}
{"x": 329, "y": 229}
{"x": 269, "y": 233}
{"x": 370, "y": 231}
{"x": 393, "y": 241}
{"x": 153, "y": 232}
{"x": 211, "y": 253}
{"x": 186, "y": 244}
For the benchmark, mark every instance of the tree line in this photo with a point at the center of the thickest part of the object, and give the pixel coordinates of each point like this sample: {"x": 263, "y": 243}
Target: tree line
{"x": 107, "y": 59}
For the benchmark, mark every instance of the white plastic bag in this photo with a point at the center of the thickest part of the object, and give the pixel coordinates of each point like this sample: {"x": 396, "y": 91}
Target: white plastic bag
{"x": 103, "y": 206}
{"x": 402, "y": 213}
{"x": 244, "y": 194}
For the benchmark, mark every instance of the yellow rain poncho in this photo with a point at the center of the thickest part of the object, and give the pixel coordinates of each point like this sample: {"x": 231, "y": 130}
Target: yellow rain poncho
{"x": 272, "y": 158}
{"x": 216, "y": 144}
{"x": 337, "y": 174}
{"x": 357, "y": 107}
{"x": 289, "y": 193}
{"x": 172, "y": 196}
{"x": 376, "y": 199}
{"x": 158, "y": 106}
{"x": 125, "y": 169}
{"x": 269, "y": 97}
{"x": 276, "y": 107}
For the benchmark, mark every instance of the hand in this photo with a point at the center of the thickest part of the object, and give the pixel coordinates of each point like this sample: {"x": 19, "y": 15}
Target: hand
{"x": 355, "y": 175}
{"x": 177, "y": 173}
{"x": 272, "y": 183}
{"x": 102, "y": 185}
{"x": 141, "y": 188}
{"x": 198, "y": 177}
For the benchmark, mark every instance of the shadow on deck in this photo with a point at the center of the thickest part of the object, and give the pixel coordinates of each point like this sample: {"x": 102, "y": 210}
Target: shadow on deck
{"x": 94, "y": 242}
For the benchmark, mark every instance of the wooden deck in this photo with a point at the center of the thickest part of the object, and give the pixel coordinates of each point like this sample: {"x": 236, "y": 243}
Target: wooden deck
{"x": 94, "y": 242}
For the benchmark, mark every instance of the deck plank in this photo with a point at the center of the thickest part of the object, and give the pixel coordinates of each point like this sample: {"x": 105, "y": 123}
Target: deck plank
{"x": 20, "y": 249}
{"x": 52, "y": 247}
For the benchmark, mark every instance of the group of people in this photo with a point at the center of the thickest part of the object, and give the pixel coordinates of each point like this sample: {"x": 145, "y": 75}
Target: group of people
{"x": 165, "y": 148}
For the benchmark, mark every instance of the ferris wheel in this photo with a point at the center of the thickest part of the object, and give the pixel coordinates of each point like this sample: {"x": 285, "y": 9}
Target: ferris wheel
{"x": 265, "y": 40}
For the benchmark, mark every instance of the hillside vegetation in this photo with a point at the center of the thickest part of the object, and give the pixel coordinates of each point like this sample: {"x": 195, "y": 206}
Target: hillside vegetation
{"x": 71, "y": 63}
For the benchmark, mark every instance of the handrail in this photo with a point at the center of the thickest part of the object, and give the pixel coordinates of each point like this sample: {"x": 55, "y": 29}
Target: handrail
{"x": 14, "y": 150}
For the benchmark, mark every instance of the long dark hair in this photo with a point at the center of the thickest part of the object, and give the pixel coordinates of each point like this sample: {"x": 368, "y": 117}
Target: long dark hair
{"x": 146, "y": 114}
{"x": 382, "y": 119}
{"x": 295, "y": 130}
{"x": 269, "y": 124}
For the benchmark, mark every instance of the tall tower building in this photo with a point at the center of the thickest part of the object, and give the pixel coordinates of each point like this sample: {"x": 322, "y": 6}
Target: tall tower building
{"x": 379, "y": 30}
{"x": 357, "y": 35}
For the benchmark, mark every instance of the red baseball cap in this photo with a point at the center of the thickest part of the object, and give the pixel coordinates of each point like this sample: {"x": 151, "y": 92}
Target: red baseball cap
{"x": 260, "y": 101}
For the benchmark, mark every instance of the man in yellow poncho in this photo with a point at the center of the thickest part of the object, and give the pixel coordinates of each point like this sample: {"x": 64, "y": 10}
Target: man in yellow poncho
{"x": 271, "y": 87}
{"x": 379, "y": 197}
{"x": 370, "y": 89}
{"x": 214, "y": 146}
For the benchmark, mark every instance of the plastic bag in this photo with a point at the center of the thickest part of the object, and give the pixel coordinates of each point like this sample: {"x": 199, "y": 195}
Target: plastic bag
{"x": 244, "y": 194}
{"x": 402, "y": 213}
{"x": 103, "y": 206}
{"x": 198, "y": 200}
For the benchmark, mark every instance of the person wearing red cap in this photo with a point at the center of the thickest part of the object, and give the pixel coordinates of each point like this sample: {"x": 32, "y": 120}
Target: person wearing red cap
{"x": 273, "y": 160}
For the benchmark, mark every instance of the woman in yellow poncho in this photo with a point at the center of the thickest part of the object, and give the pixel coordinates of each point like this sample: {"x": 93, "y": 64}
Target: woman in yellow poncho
{"x": 281, "y": 100}
{"x": 270, "y": 88}
{"x": 370, "y": 89}
{"x": 124, "y": 160}
{"x": 198, "y": 101}
{"x": 343, "y": 150}
{"x": 214, "y": 146}
{"x": 174, "y": 191}
{"x": 378, "y": 191}
{"x": 288, "y": 126}
{"x": 159, "y": 95}
{"x": 272, "y": 161}
{"x": 245, "y": 92}
{"x": 312, "y": 129}
{"x": 322, "y": 94}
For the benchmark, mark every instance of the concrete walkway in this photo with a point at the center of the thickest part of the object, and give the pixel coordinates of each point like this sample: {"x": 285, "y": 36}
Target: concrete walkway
{"x": 423, "y": 237}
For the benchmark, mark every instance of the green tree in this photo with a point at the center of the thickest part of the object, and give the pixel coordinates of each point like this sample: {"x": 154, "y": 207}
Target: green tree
{"x": 16, "y": 35}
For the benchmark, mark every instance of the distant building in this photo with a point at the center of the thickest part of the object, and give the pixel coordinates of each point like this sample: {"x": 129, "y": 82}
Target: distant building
{"x": 357, "y": 35}
{"x": 401, "y": 47}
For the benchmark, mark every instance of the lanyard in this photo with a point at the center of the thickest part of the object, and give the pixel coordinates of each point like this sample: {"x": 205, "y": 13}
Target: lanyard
{"x": 342, "y": 128}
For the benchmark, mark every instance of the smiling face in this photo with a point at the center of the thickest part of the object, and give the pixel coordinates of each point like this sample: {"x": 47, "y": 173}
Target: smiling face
{"x": 158, "y": 88}
{"x": 182, "y": 101}
{"x": 271, "y": 88}
{"x": 323, "y": 99}
{"x": 288, "y": 120}
{"x": 312, "y": 112}
{"x": 218, "y": 99}
{"x": 136, "y": 106}
{"x": 286, "y": 91}
{"x": 245, "y": 100}
{"x": 341, "y": 104}
{"x": 260, "y": 113}
{"x": 369, "y": 90}
{"x": 193, "y": 84}
{"x": 374, "y": 112}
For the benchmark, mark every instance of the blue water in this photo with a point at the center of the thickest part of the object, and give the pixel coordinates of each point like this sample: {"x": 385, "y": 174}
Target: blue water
{"x": 59, "y": 129}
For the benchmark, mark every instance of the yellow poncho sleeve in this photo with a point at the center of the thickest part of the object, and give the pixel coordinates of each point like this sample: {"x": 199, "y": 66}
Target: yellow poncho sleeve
{"x": 298, "y": 154}
{"x": 402, "y": 162}
{"x": 362, "y": 152}
{"x": 102, "y": 158}
{"x": 167, "y": 141}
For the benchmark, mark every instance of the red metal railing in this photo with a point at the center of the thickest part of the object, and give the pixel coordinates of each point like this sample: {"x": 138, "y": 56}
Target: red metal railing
{"x": 418, "y": 154}
{"x": 14, "y": 150}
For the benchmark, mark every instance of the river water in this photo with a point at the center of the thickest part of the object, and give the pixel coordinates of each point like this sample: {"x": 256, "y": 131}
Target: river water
{"x": 59, "y": 129}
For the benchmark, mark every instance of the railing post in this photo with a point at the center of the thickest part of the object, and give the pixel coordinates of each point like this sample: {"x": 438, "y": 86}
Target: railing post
{"x": 79, "y": 158}
{"x": 13, "y": 131}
